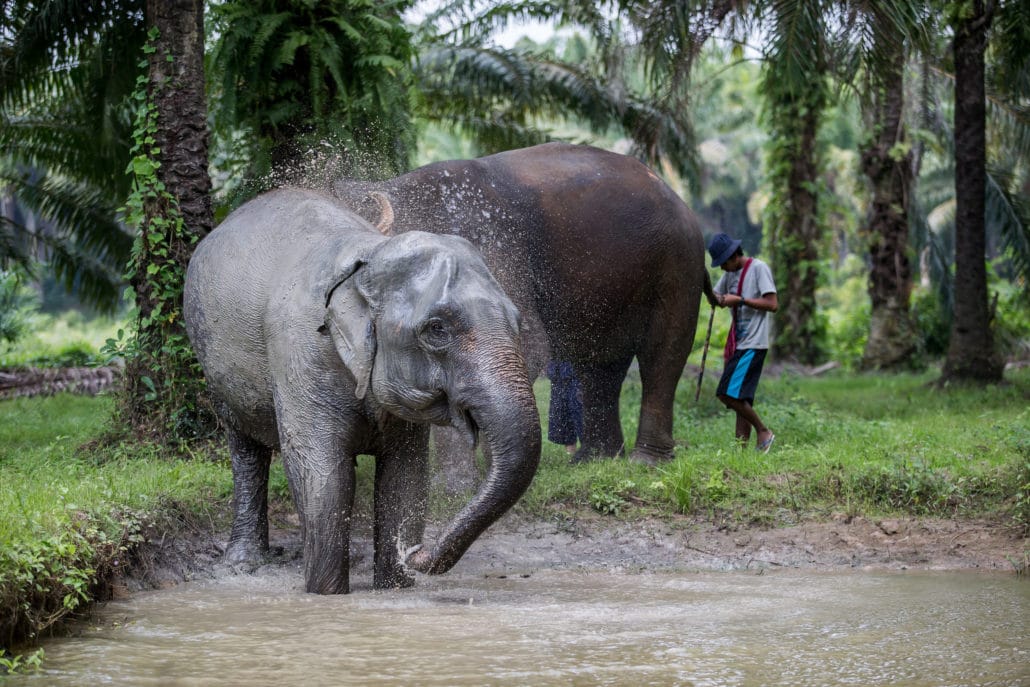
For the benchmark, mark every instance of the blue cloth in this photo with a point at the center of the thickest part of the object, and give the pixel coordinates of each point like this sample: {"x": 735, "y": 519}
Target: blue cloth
{"x": 741, "y": 374}
{"x": 565, "y": 415}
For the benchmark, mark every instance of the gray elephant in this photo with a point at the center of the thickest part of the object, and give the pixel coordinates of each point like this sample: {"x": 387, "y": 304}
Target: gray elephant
{"x": 324, "y": 339}
{"x": 604, "y": 261}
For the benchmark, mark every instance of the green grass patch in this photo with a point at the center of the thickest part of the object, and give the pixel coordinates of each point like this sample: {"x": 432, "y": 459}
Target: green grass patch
{"x": 871, "y": 444}
{"x": 66, "y": 340}
{"x": 69, "y": 517}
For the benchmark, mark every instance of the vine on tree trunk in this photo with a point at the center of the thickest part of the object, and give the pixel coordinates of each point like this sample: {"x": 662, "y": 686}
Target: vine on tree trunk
{"x": 164, "y": 387}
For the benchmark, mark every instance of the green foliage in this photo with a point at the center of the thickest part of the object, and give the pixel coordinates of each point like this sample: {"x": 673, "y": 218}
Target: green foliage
{"x": 932, "y": 321}
{"x": 845, "y": 303}
{"x": 19, "y": 663}
{"x": 608, "y": 498}
{"x": 584, "y": 88}
{"x": 1011, "y": 317}
{"x": 16, "y": 301}
{"x": 1021, "y": 506}
{"x": 70, "y": 517}
{"x": 65, "y": 340}
{"x": 66, "y": 74}
{"x": 297, "y": 77}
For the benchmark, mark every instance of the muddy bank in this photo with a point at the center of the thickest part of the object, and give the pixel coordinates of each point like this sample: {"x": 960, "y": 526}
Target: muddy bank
{"x": 516, "y": 546}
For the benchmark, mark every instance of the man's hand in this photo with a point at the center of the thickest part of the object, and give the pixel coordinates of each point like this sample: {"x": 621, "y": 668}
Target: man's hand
{"x": 767, "y": 302}
{"x": 728, "y": 300}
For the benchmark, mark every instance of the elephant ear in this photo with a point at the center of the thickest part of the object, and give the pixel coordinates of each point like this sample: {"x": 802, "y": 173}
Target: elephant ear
{"x": 348, "y": 320}
{"x": 386, "y": 215}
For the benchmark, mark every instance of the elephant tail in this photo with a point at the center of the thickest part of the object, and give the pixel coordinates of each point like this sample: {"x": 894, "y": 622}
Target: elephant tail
{"x": 708, "y": 291}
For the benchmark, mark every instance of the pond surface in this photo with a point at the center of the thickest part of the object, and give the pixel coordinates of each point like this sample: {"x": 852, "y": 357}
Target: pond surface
{"x": 562, "y": 627}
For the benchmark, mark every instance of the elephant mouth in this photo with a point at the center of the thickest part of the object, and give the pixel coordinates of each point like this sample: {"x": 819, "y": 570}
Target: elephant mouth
{"x": 439, "y": 409}
{"x": 464, "y": 421}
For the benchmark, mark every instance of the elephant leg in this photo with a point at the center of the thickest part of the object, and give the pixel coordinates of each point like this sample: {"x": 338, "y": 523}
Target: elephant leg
{"x": 324, "y": 497}
{"x": 659, "y": 375}
{"x": 661, "y": 362}
{"x": 602, "y": 428}
{"x": 401, "y": 495}
{"x": 320, "y": 471}
{"x": 248, "y": 542}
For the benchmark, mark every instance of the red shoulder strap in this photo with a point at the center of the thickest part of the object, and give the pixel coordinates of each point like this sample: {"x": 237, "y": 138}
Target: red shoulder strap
{"x": 731, "y": 340}
{"x": 743, "y": 273}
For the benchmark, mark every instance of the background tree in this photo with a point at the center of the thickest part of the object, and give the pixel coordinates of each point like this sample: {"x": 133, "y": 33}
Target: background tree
{"x": 171, "y": 207}
{"x": 887, "y": 162}
{"x": 296, "y": 82}
{"x": 795, "y": 92}
{"x": 971, "y": 354}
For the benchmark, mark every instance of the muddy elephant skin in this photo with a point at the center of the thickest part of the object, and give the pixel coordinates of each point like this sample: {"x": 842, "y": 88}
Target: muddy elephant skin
{"x": 324, "y": 339}
{"x": 603, "y": 259}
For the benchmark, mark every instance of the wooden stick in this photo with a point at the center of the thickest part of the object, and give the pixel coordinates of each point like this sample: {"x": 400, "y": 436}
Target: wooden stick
{"x": 704, "y": 355}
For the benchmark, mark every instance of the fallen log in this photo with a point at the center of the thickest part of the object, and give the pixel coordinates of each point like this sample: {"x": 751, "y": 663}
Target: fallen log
{"x": 37, "y": 381}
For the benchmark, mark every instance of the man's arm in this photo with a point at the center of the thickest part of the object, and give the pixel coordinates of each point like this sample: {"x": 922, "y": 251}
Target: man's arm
{"x": 767, "y": 302}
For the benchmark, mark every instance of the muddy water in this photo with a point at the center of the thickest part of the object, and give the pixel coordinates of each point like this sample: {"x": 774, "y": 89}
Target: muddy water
{"x": 563, "y": 628}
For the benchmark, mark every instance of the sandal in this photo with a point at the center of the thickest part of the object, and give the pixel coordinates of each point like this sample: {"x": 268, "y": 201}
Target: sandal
{"x": 764, "y": 446}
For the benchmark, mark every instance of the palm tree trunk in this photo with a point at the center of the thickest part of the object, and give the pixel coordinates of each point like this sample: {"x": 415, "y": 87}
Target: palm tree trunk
{"x": 887, "y": 163}
{"x": 794, "y": 87}
{"x": 794, "y": 241}
{"x": 971, "y": 355}
{"x": 177, "y": 89}
{"x": 162, "y": 376}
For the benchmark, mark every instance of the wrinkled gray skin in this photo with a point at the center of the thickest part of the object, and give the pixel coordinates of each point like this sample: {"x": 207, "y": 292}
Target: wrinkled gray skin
{"x": 604, "y": 261}
{"x": 324, "y": 339}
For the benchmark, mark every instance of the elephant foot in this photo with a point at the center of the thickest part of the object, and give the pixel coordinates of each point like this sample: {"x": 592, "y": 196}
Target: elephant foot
{"x": 650, "y": 456}
{"x": 395, "y": 580}
{"x": 246, "y": 554}
{"x": 585, "y": 454}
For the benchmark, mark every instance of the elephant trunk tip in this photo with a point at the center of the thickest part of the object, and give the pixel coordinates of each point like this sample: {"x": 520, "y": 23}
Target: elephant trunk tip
{"x": 419, "y": 559}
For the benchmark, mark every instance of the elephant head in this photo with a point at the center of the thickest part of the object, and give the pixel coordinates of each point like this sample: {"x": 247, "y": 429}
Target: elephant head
{"x": 429, "y": 336}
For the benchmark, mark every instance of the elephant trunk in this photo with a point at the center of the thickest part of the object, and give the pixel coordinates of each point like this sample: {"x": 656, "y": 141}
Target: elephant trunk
{"x": 510, "y": 423}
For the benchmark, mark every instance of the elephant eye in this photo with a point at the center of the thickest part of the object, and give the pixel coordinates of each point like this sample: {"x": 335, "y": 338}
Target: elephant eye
{"x": 435, "y": 334}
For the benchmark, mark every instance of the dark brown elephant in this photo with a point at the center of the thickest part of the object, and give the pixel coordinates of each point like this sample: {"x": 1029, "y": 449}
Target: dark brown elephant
{"x": 604, "y": 261}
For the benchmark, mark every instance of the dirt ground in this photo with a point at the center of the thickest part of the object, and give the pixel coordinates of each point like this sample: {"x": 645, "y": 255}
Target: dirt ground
{"x": 516, "y": 546}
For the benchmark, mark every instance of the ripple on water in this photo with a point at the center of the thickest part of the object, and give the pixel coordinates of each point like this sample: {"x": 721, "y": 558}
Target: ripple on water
{"x": 564, "y": 628}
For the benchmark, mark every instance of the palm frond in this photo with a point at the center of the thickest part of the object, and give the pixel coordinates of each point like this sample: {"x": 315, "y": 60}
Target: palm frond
{"x": 499, "y": 85}
{"x": 1009, "y": 214}
{"x": 82, "y": 272}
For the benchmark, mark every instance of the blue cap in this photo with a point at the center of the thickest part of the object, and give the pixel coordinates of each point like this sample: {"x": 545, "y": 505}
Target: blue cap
{"x": 722, "y": 248}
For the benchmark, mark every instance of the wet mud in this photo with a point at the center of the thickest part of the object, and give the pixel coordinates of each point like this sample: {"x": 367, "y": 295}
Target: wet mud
{"x": 517, "y": 546}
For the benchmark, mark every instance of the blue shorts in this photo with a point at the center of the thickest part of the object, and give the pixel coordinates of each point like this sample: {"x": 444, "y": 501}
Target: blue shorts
{"x": 740, "y": 376}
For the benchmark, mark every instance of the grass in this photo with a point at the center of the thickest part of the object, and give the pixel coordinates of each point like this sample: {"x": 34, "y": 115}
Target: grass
{"x": 60, "y": 340}
{"x": 69, "y": 516}
{"x": 71, "y": 512}
{"x": 872, "y": 444}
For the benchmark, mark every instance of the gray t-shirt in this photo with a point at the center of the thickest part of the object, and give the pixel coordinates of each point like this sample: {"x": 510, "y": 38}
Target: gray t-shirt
{"x": 752, "y": 325}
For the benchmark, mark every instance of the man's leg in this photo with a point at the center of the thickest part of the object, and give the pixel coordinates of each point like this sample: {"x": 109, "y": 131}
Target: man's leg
{"x": 743, "y": 430}
{"x": 746, "y": 419}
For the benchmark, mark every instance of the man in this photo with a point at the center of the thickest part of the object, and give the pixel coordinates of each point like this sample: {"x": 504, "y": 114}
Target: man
{"x": 748, "y": 288}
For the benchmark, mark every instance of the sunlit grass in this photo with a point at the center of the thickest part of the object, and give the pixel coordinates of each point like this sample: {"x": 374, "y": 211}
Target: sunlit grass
{"x": 872, "y": 444}
{"x": 47, "y": 480}
{"x": 66, "y": 339}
